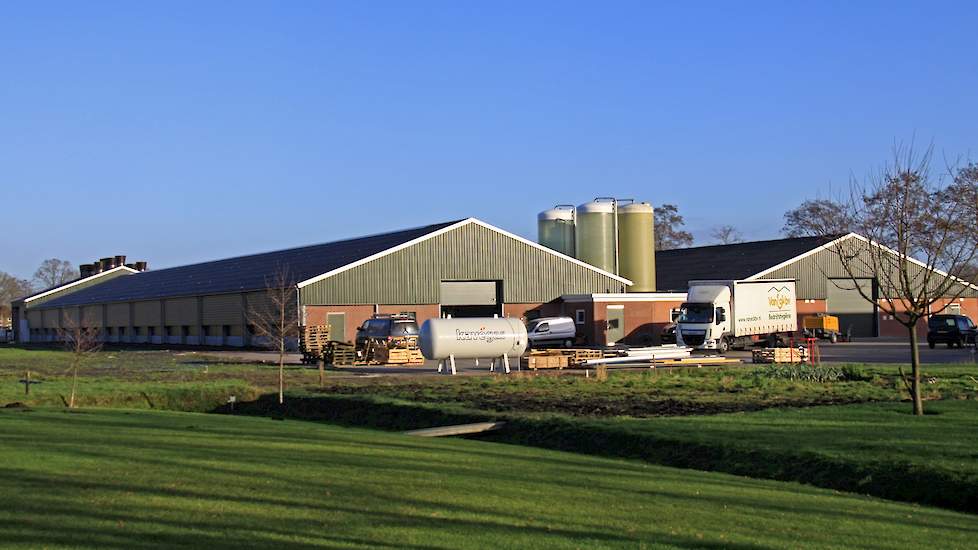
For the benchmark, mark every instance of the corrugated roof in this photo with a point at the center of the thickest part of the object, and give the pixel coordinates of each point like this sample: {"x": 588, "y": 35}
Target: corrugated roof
{"x": 675, "y": 268}
{"x": 244, "y": 273}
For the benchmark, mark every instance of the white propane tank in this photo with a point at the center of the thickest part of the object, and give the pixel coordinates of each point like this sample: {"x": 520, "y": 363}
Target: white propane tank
{"x": 472, "y": 338}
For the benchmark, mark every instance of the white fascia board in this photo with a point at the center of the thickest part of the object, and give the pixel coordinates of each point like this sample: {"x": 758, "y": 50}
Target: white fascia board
{"x": 857, "y": 236}
{"x": 625, "y": 297}
{"x": 383, "y": 253}
{"x": 799, "y": 257}
{"x": 915, "y": 261}
{"x": 80, "y": 281}
{"x": 550, "y": 251}
{"x": 452, "y": 227}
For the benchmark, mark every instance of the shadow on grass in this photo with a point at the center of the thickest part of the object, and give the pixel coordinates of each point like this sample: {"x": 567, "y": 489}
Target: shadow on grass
{"x": 890, "y": 479}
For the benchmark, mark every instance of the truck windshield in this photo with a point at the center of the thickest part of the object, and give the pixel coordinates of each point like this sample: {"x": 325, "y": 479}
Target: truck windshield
{"x": 696, "y": 313}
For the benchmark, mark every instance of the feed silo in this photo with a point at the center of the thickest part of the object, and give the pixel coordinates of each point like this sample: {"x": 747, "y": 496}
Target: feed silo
{"x": 636, "y": 245}
{"x": 555, "y": 229}
{"x": 596, "y": 234}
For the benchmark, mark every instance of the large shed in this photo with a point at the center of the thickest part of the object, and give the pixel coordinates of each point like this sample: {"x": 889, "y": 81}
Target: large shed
{"x": 463, "y": 268}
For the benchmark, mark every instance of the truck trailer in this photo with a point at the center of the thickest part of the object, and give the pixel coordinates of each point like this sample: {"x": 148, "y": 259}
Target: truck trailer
{"x": 720, "y": 315}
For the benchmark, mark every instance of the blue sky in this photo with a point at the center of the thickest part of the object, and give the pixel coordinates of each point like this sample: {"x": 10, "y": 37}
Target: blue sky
{"x": 179, "y": 132}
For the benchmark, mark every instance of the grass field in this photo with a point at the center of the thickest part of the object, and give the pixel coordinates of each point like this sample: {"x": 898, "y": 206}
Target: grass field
{"x": 194, "y": 381}
{"x": 148, "y": 479}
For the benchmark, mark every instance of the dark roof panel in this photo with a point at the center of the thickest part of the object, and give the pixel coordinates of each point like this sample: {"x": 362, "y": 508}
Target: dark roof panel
{"x": 675, "y": 268}
{"x": 244, "y": 273}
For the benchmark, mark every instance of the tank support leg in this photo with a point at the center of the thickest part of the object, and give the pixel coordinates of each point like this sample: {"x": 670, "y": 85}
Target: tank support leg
{"x": 506, "y": 363}
{"x": 441, "y": 365}
{"x": 451, "y": 359}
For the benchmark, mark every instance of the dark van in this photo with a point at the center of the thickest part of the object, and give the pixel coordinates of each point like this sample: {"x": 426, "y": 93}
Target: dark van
{"x": 953, "y": 330}
{"x": 386, "y": 328}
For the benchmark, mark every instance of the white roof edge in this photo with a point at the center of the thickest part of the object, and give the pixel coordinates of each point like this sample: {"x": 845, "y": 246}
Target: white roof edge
{"x": 834, "y": 242}
{"x": 442, "y": 231}
{"x": 550, "y": 251}
{"x": 79, "y": 281}
{"x": 799, "y": 257}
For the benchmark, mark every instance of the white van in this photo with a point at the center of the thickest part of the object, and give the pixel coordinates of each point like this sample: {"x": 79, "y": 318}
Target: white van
{"x": 551, "y": 331}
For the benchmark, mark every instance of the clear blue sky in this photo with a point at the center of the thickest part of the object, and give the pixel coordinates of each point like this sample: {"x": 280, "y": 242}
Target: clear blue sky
{"x": 179, "y": 132}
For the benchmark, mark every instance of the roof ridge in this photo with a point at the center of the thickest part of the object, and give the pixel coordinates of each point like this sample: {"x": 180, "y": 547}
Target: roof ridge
{"x": 826, "y": 238}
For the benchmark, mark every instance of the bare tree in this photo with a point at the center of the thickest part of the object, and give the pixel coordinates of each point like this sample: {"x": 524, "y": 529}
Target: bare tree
{"x": 276, "y": 320}
{"x": 920, "y": 230}
{"x": 54, "y": 272}
{"x": 726, "y": 234}
{"x": 817, "y": 217}
{"x": 669, "y": 232}
{"x": 11, "y": 288}
{"x": 82, "y": 342}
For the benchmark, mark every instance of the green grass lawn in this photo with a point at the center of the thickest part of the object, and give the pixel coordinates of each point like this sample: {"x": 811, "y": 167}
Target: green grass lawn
{"x": 148, "y": 479}
{"x": 946, "y": 438}
{"x": 194, "y": 381}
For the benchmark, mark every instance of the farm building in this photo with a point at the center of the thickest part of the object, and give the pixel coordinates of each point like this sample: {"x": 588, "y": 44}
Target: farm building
{"x": 458, "y": 268}
{"x": 821, "y": 283}
{"x": 462, "y": 268}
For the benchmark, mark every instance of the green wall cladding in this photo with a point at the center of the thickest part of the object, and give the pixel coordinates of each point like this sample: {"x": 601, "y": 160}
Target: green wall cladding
{"x": 472, "y": 252}
{"x": 812, "y": 273}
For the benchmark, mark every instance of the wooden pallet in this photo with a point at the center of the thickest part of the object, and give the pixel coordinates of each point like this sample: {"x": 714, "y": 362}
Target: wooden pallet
{"x": 399, "y": 356}
{"x": 545, "y": 361}
{"x": 780, "y": 355}
{"x": 340, "y": 353}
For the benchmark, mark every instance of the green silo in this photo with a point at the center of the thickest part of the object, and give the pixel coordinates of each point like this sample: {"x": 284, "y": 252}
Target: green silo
{"x": 636, "y": 245}
{"x": 596, "y": 234}
{"x": 555, "y": 229}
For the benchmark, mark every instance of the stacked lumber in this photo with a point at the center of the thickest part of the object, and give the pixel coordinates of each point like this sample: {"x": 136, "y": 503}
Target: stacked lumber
{"x": 578, "y": 356}
{"x": 398, "y": 356}
{"x": 546, "y": 359}
{"x": 780, "y": 355}
{"x": 313, "y": 339}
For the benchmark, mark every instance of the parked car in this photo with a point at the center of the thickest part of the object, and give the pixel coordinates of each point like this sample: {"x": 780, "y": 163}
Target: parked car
{"x": 386, "y": 328}
{"x": 668, "y": 334}
{"x": 953, "y": 330}
{"x": 551, "y": 331}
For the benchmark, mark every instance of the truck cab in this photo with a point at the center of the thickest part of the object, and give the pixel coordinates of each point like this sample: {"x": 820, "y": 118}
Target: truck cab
{"x": 703, "y": 319}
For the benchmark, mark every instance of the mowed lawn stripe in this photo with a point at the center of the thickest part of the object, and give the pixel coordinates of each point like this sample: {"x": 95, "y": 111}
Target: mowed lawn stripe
{"x": 141, "y": 479}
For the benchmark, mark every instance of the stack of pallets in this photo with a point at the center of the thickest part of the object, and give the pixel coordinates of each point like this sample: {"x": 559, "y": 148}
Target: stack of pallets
{"x": 340, "y": 353}
{"x": 313, "y": 339}
{"x": 780, "y": 355}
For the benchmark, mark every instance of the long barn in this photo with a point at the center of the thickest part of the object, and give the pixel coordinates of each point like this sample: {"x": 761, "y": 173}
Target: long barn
{"x": 463, "y": 268}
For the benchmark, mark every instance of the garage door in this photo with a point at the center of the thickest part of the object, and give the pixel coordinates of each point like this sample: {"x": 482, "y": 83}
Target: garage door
{"x": 857, "y": 316}
{"x": 470, "y": 298}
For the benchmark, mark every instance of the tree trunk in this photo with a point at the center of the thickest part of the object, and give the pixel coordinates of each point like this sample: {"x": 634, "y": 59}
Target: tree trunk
{"x": 322, "y": 372}
{"x": 915, "y": 393}
{"x": 74, "y": 384}
{"x": 281, "y": 376}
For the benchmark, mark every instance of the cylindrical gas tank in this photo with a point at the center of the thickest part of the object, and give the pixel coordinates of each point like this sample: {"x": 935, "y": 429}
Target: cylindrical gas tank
{"x": 471, "y": 338}
{"x": 555, "y": 229}
{"x": 596, "y": 234}
{"x": 636, "y": 245}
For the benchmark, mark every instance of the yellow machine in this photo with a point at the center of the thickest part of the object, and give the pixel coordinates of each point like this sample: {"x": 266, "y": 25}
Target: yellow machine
{"x": 822, "y": 325}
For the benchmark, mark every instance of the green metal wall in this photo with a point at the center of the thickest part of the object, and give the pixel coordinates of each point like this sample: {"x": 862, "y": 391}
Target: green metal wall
{"x": 812, "y": 274}
{"x": 471, "y": 252}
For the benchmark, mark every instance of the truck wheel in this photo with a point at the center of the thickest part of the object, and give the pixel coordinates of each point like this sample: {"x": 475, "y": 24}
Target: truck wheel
{"x": 833, "y": 338}
{"x": 568, "y": 343}
{"x": 723, "y": 345}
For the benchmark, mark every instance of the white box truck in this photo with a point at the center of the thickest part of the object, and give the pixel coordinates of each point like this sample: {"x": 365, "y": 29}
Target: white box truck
{"x": 734, "y": 314}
